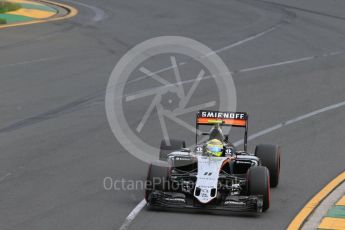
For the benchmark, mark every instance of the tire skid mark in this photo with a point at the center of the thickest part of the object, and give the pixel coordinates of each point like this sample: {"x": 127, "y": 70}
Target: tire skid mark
{"x": 51, "y": 113}
{"x": 99, "y": 14}
{"x": 302, "y": 9}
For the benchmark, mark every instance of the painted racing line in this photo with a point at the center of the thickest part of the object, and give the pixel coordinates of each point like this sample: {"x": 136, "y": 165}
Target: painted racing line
{"x": 305, "y": 212}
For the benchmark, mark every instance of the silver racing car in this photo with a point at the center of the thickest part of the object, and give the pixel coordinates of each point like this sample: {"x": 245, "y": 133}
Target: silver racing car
{"x": 214, "y": 174}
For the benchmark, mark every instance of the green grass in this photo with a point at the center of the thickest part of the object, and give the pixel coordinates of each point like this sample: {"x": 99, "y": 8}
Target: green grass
{"x": 2, "y": 21}
{"x": 8, "y": 6}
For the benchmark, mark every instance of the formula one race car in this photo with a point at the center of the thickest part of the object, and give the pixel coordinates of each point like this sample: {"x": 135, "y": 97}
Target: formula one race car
{"x": 214, "y": 174}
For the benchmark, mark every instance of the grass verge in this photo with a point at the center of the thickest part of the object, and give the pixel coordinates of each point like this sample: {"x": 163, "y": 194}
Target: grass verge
{"x": 6, "y": 6}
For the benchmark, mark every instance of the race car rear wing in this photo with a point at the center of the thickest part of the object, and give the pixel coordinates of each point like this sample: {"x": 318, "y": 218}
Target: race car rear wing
{"x": 236, "y": 119}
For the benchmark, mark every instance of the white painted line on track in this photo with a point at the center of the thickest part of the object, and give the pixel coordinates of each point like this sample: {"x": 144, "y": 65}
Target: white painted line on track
{"x": 142, "y": 203}
{"x": 133, "y": 214}
{"x": 272, "y": 65}
{"x": 292, "y": 121}
{"x": 31, "y": 61}
{"x": 245, "y": 40}
{"x": 255, "y": 36}
{"x": 288, "y": 62}
{"x": 4, "y": 177}
{"x": 149, "y": 92}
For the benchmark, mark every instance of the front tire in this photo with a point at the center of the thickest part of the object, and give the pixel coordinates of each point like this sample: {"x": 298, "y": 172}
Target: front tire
{"x": 157, "y": 177}
{"x": 258, "y": 183}
{"x": 270, "y": 157}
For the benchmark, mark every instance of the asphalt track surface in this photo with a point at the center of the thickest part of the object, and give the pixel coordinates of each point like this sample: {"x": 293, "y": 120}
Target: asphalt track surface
{"x": 56, "y": 145}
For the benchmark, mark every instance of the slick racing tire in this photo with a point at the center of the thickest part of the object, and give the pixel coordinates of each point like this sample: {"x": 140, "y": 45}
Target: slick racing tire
{"x": 166, "y": 149}
{"x": 157, "y": 177}
{"x": 270, "y": 157}
{"x": 258, "y": 183}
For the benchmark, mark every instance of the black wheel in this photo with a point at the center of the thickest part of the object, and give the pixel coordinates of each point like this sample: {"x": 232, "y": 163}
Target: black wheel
{"x": 258, "y": 184}
{"x": 157, "y": 177}
{"x": 166, "y": 149}
{"x": 270, "y": 157}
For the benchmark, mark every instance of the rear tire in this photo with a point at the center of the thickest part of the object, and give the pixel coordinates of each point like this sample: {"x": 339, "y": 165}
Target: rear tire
{"x": 258, "y": 183}
{"x": 166, "y": 149}
{"x": 270, "y": 157}
{"x": 157, "y": 177}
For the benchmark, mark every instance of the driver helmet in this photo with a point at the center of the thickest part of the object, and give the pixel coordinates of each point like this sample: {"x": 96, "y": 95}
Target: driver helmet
{"x": 214, "y": 147}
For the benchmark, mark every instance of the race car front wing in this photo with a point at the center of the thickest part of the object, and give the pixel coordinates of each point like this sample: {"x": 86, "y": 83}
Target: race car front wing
{"x": 230, "y": 203}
